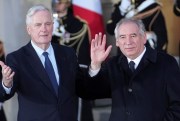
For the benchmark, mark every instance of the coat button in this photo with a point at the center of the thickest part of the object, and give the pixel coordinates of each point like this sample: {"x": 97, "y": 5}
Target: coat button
{"x": 128, "y": 113}
{"x": 130, "y": 90}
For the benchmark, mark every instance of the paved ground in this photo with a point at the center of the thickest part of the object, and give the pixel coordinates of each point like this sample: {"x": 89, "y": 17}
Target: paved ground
{"x": 102, "y": 109}
{"x": 101, "y": 114}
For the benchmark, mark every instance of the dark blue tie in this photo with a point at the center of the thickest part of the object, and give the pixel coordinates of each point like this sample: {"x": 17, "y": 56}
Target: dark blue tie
{"x": 131, "y": 66}
{"x": 50, "y": 71}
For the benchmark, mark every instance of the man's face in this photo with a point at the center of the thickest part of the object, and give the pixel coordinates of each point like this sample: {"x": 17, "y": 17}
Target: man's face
{"x": 61, "y": 9}
{"x": 41, "y": 27}
{"x": 130, "y": 41}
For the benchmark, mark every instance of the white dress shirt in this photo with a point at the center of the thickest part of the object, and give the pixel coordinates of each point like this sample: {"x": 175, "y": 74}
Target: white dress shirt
{"x": 138, "y": 59}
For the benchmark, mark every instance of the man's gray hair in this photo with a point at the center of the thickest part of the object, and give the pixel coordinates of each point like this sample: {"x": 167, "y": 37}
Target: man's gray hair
{"x": 34, "y": 10}
{"x": 139, "y": 23}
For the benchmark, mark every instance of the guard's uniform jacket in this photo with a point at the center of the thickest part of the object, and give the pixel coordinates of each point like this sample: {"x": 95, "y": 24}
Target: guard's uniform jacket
{"x": 152, "y": 18}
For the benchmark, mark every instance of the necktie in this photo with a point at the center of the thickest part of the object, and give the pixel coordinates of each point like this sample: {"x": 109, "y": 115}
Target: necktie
{"x": 131, "y": 66}
{"x": 50, "y": 71}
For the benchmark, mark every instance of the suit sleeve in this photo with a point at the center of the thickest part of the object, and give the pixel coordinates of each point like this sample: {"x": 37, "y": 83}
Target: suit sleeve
{"x": 96, "y": 87}
{"x": 10, "y": 61}
{"x": 173, "y": 91}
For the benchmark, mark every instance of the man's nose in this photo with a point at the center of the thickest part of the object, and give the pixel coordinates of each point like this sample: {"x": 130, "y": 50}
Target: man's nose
{"x": 43, "y": 27}
{"x": 129, "y": 40}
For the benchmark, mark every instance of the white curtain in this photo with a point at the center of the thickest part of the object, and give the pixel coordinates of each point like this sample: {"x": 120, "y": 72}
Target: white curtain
{"x": 13, "y": 34}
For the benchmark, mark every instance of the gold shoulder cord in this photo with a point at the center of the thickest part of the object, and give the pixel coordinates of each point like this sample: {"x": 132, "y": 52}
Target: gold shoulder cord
{"x": 77, "y": 37}
{"x": 148, "y": 13}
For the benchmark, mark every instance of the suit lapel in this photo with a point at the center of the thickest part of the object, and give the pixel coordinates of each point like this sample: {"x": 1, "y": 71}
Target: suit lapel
{"x": 62, "y": 61}
{"x": 124, "y": 64}
{"x": 38, "y": 67}
{"x": 149, "y": 57}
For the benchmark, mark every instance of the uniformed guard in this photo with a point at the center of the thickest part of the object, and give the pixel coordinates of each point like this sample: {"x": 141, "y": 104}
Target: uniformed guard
{"x": 149, "y": 11}
{"x": 73, "y": 32}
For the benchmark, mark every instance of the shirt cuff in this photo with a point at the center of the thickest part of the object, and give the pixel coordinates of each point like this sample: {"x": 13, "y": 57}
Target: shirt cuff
{"x": 93, "y": 73}
{"x": 7, "y": 90}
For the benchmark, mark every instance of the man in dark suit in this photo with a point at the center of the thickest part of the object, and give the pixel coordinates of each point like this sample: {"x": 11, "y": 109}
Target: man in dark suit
{"x": 142, "y": 82}
{"x": 40, "y": 97}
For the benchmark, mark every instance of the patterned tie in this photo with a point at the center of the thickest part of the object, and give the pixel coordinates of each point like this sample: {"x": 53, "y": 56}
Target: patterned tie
{"x": 131, "y": 66}
{"x": 50, "y": 71}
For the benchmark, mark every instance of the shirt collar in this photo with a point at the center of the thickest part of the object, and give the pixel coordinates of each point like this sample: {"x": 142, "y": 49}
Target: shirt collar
{"x": 39, "y": 51}
{"x": 138, "y": 59}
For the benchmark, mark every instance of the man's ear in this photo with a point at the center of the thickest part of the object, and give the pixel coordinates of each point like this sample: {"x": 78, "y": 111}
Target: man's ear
{"x": 28, "y": 29}
{"x": 117, "y": 43}
{"x": 145, "y": 38}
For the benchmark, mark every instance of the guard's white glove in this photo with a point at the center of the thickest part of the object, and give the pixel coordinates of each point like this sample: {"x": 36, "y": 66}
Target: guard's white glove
{"x": 131, "y": 13}
{"x": 123, "y": 7}
{"x": 57, "y": 27}
{"x": 60, "y": 31}
{"x": 152, "y": 39}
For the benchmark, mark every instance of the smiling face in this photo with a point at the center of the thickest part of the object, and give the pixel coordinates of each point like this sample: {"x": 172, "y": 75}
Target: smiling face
{"x": 130, "y": 40}
{"x": 40, "y": 28}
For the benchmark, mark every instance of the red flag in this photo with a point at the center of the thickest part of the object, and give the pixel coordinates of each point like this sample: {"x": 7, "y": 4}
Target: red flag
{"x": 90, "y": 11}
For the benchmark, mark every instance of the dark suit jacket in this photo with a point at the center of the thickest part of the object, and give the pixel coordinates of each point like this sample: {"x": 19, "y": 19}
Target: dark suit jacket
{"x": 37, "y": 100}
{"x": 152, "y": 93}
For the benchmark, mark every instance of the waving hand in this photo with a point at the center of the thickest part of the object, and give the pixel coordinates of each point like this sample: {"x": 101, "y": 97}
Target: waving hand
{"x": 98, "y": 51}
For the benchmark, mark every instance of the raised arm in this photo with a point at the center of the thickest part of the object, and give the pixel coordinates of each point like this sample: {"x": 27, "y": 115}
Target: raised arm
{"x": 98, "y": 51}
